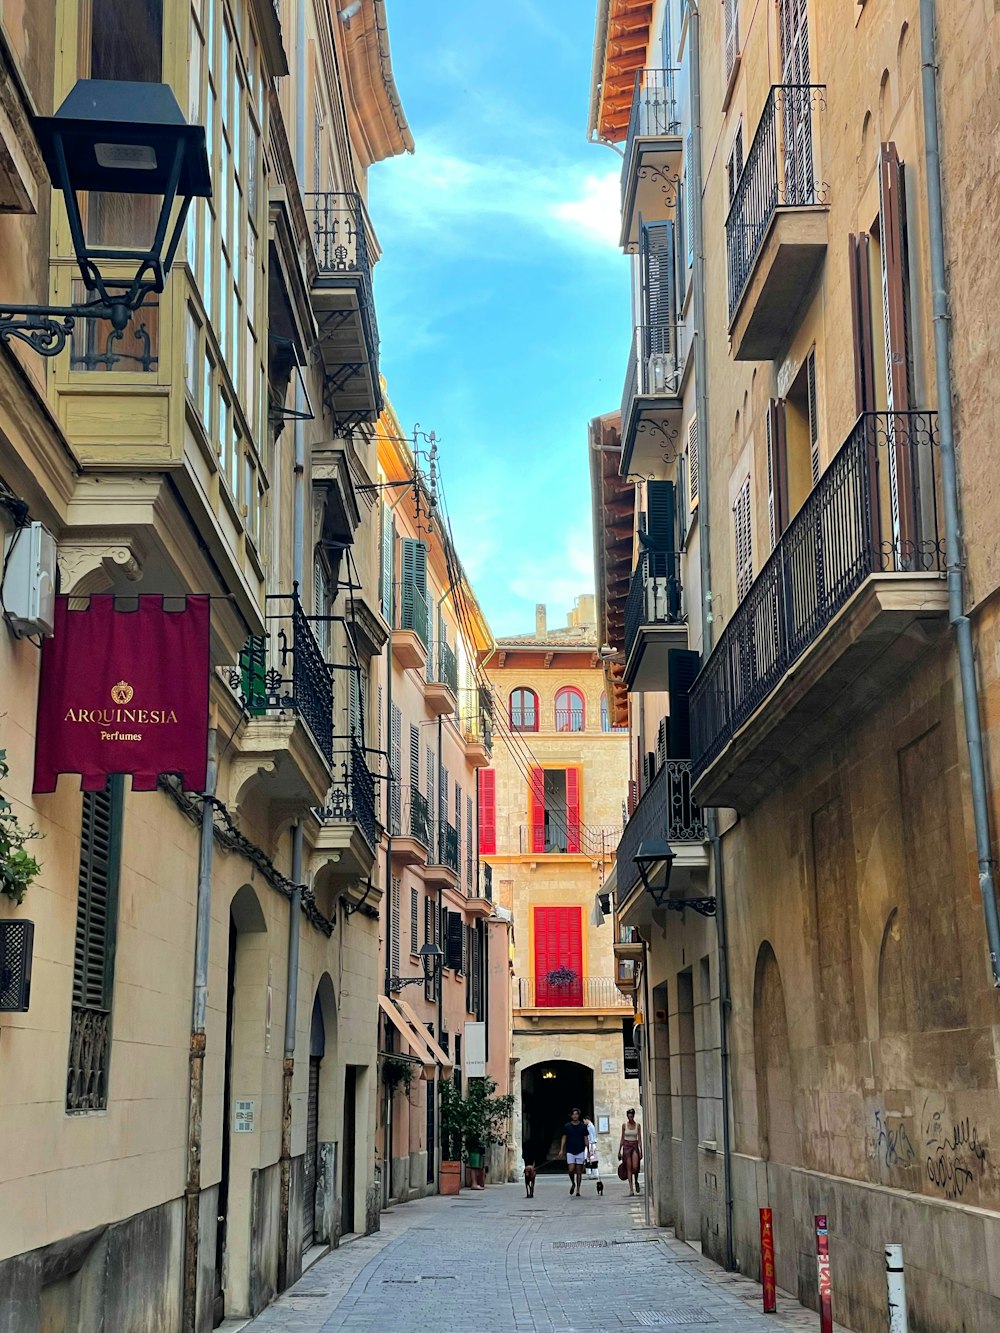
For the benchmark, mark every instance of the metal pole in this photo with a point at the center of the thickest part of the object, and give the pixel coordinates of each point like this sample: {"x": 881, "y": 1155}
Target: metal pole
{"x": 949, "y": 487}
{"x": 823, "y": 1275}
{"x": 196, "y": 1056}
{"x": 285, "y": 1264}
{"x": 895, "y": 1282}
{"x": 767, "y": 1272}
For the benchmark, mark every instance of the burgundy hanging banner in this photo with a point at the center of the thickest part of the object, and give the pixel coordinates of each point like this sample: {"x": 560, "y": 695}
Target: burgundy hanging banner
{"x": 124, "y": 692}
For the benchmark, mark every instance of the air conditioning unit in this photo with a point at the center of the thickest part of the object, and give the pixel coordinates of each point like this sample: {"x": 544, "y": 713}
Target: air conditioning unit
{"x": 660, "y": 373}
{"x": 29, "y": 585}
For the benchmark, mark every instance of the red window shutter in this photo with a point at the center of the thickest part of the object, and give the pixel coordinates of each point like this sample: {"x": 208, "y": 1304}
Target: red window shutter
{"x": 572, "y": 809}
{"x": 487, "y": 811}
{"x": 536, "y": 809}
{"x": 558, "y": 948}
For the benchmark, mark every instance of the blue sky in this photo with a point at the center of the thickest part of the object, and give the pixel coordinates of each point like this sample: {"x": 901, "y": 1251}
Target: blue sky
{"x": 502, "y": 297}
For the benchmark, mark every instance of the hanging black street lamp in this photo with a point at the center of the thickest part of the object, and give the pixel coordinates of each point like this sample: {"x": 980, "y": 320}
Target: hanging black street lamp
{"x": 431, "y": 958}
{"x": 117, "y": 138}
{"x": 654, "y": 861}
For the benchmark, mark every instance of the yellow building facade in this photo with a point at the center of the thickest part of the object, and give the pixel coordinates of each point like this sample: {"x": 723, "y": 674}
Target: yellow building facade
{"x": 550, "y": 814}
{"x": 194, "y": 1083}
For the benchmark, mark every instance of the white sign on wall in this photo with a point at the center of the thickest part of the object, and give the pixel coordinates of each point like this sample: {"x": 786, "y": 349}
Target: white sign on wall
{"x": 609, "y": 1066}
{"x": 244, "y": 1114}
{"x": 475, "y": 1050}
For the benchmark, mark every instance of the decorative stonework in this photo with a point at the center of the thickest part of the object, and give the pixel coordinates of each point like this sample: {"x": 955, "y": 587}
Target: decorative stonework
{"x": 90, "y": 565}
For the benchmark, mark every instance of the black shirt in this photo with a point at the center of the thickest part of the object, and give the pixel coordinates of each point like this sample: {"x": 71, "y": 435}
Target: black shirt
{"x": 576, "y": 1136}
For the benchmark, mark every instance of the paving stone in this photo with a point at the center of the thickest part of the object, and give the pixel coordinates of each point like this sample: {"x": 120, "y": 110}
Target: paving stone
{"x": 494, "y": 1263}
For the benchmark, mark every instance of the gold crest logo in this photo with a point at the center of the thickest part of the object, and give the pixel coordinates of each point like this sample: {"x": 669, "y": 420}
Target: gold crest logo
{"x": 122, "y": 692}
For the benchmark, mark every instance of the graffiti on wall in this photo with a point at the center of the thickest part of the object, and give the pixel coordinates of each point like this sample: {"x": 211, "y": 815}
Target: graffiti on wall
{"x": 891, "y": 1142}
{"x": 955, "y": 1155}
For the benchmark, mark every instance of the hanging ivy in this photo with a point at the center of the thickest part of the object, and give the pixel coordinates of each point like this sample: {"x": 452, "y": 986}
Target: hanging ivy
{"x": 17, "y": 868}
{"x": 397, "y": 1070}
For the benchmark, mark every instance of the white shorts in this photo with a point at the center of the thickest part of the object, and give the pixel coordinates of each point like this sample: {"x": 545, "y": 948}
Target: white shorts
{"x": 576, "y": 1158}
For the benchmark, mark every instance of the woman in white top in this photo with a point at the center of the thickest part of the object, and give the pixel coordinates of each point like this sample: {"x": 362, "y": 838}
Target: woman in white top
{"x": 630, "y": 1150}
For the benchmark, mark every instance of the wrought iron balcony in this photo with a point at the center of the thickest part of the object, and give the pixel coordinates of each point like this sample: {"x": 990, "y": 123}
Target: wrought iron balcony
{"x": 477, "y": 724}
{"x": 447, "y": 846}
{"x": 651, "y": 168}
{"x": 442, "y": 669}
{"x": 285, "y": 672}
{"x": 865, "y": 551}
{"x": 570, "y": 719}
{"x": 344, "y": 305}
{"x": 651, "y": 403}
{"x": 769, "y": 248}
{"x": 420, "y": 824}
{"x": 352, "y": 799}
{"x": 564, "y": 989}
{"x": 655, "y": 620}
{"x": 667, "y": 810}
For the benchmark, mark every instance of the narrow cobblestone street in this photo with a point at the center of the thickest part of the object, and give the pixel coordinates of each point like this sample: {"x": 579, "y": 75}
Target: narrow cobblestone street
{"x": 498, "y": 1261}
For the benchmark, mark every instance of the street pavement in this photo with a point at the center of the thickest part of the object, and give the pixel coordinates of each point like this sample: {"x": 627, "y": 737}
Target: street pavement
{"x": 494, "y": 1260}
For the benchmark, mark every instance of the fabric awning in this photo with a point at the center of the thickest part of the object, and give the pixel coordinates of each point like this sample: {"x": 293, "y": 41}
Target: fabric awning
{"x": 444, "y": 1060}
{"x": 412, "y": 1034}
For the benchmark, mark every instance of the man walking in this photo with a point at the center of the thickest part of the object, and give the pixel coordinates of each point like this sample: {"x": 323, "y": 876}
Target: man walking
{"x": 574, "y": 1145}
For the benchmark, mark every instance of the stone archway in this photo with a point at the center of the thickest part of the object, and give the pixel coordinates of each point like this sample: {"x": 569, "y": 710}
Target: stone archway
{"x": 323, "y": 1114}
{"x": 775, "y": 1083}
{"x": 549, "y": 1091}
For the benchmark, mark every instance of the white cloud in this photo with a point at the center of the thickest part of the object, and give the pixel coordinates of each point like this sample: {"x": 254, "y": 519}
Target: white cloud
{"x": 596, "y": 212}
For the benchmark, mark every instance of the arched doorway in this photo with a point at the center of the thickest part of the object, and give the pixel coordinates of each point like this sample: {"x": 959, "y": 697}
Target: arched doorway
{"x": 310, "y": 1167}
{"x": 549, "y": 1091}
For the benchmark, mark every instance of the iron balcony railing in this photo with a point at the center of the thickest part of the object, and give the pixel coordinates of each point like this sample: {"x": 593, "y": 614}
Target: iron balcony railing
{"x": 337, "y": 221}
{"x": 779, "y": 172}
{"x": 873, "y": 511}
{"x": 563, "y": 989}
{"x": 569, "y": 719}
{"x": 285, "y": 671}
{"x": 477, "y": 716}
{"x": 420, "y": 824}
{"x": 655, "y": 110}
{"x": 565, "y": 834}
{"x": 654, "y": 364}
{"x": 442, "y": 667}
{"x": 446, "y": 846}
{"x": 654, "y": 595}
{"x": 523, "y": 718}
{"x": 665, "y": 810}
{"x": 352, "y": 799}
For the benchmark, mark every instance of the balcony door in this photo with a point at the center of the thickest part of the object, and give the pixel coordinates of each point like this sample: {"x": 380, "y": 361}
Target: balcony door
{"x": 793, "y": 28}
{"x": 558, "y": 951}
{"x": 658, "y": 308}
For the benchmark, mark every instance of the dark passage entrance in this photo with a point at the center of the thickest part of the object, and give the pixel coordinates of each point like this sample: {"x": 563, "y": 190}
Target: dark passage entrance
{"x": 350, "y": 1147}
{"x": 548, "y": 1094}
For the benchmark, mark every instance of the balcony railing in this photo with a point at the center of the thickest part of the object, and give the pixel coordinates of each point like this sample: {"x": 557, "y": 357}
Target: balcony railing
{"x": 665, "y": 810}
{"x": 654, "y": 595}
{"x": 563, "y": 989}
{"x": 780, "y": 172}
{"x": 654, "y": 364}
{"x": 477, "y": 716}
{"x": 873, "y": 511}
{"x": 655, "y": 110}
{"x": 420, "y": 824}
{"x": 285, "y": 671}
{"x": 446, "y": 845}
{"x": 569, "y": 719}
{"x": 352, "y": 799}
{"x": 524, "y": 719}
{"x": 442, "y": 667}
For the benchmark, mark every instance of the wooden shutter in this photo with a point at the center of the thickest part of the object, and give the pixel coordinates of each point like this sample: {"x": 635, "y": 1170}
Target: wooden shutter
{"x": 429, "y": 781}
{"x": 744, "y": 541}
{"x": 572, "y": 809}
{"x": 682, "y": 668}
{"x": 414, "y": 757}
{"x": 861, "y": 316}
{"x": 453, "y": 945}
{"x": 413, "y": 584}
{"x": 97, "y": 896}
{"x": 396, "y": 762}
{"x": 558, "y": 948}
{"x": 892, "y": 222}
{"x": 732, "y": 33}
{"x": 661, "y": 520}
{"x": 388, "y": 535}
{"x": 356, "y": 708}
{"x": 487, "y": 812}
{"x": 813, "y": 401}
{"x": 428, "y": 939}
{"x": 253, "y": 674}
{"x": 659, "y": 302}
{"x": 414, "y": 921}
{"x": 694, "y": 462}
{"x": 536, "y": 808}
{"x": 777, "y": 470}
{"x": 395, "y": 925}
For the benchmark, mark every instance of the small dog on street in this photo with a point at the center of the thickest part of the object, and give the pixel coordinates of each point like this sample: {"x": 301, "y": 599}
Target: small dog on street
{"x": 600, "y": 1187}
{"x": 529, "y": 1181}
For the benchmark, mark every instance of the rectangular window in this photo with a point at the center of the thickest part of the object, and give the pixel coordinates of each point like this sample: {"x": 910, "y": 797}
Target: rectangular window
{"x": 558, "y": 956}
{"x": 744, "y": 541}
{"x": 94, "y": 947}
{"x": 554, "y": 810}
{"x": 395, "y": 761}
{"x": 487, "y": 811}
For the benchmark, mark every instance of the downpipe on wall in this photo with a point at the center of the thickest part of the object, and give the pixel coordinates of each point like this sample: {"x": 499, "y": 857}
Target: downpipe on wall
{"x": 196, "y": 1056}
{"x": 949, "y": 486}
{"x": 285, "y": 1268}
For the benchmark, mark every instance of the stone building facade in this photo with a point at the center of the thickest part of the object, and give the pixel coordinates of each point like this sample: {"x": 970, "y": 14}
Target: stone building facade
{"x": 195, "y": 1115}
{"x": 549, "y": 821}
{"x": 827, "y": 733}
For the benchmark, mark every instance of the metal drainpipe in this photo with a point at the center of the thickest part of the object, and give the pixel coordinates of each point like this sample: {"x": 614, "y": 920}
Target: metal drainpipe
{"x": 288, "y": 1064}
{"x": 949, "y": 484}
{"x": 196, "y": 1057}
{"x": 700, "y": 336}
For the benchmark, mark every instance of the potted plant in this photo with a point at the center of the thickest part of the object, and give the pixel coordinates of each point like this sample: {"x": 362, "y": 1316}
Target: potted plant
{"x": 484, "y": 1122}
{"x": 452, "y": 1113}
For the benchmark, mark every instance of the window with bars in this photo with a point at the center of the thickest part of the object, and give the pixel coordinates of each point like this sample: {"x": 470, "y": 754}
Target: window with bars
{"x": 744, "y": 541}
{"x": 94, "y": 947}
{"x": 414, "y": 921}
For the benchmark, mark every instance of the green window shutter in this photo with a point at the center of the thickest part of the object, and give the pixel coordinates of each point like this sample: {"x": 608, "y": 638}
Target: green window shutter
{"x": 253, "y": 674}
{"x": 97, "y": 896}
{"x": 385, "y": 574}
{"x": 413, "y": 587}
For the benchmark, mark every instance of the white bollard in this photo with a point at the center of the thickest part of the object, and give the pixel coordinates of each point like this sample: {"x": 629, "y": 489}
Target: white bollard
{"x": 896, "y": 1288}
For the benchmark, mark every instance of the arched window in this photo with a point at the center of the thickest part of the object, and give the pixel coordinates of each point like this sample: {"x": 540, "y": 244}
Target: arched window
{"x": 523, "y": 710}
{"x": 605, "y": 719}
{"x": 569, "y": 709}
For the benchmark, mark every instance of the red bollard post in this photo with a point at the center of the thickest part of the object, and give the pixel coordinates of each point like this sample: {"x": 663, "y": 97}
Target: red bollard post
{"x": 823, "y": 1273}
{"x": 767, "y": 1277}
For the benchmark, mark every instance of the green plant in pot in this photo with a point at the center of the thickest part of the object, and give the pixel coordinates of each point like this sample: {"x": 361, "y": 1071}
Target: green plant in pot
{"x": 469, "y": 1126}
